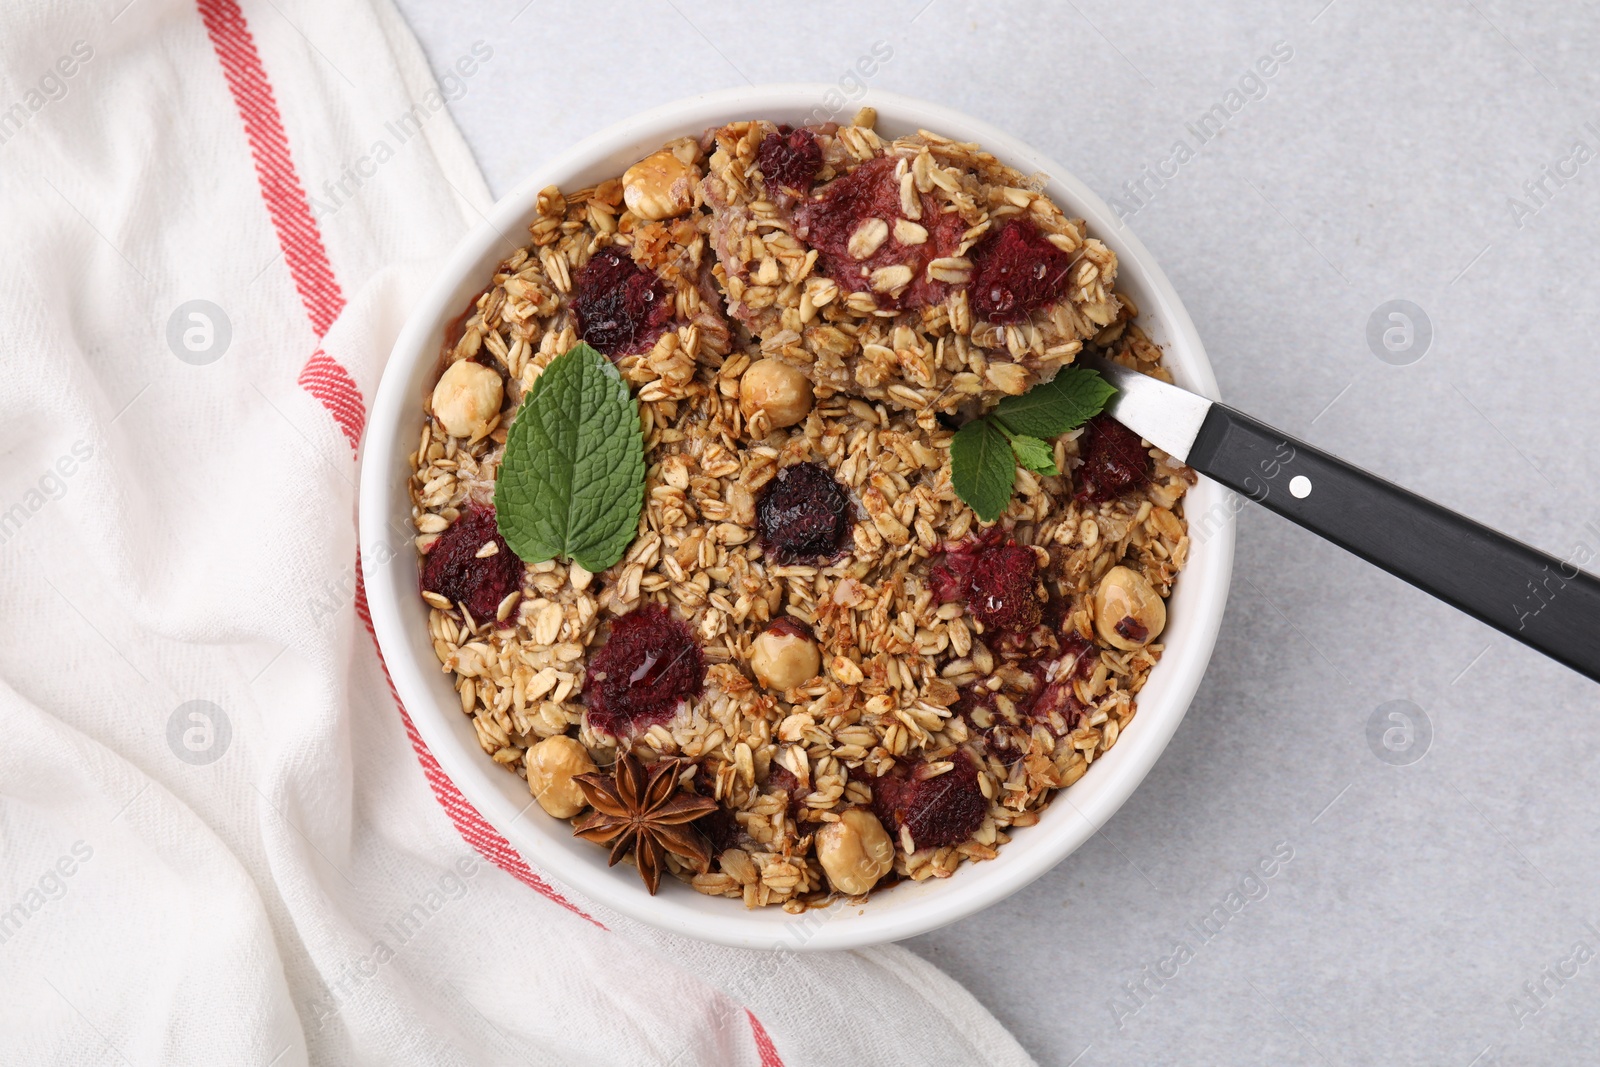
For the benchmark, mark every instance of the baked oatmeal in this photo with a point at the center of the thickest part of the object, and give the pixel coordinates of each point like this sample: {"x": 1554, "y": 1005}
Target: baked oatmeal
{"x": 814, "y": 671}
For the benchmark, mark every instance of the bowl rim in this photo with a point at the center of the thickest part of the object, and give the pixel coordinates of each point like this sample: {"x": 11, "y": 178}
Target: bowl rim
{"x": 1074, "y": 815}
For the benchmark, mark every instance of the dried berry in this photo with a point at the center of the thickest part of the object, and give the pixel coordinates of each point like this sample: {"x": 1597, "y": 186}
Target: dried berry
{"x": 943, "y": 810}
{"x": 1114, "y": 460}
{"x": 790, "y": 159}
{"x": 1004, "y": 717}
{"x": 996, "y": 577}
{"x": 454, "y": 569}
{"x": 803, "y": 513}
{"x": 783, "y": 780}
{"x": 719, "y": 827}
{"x": 722, "y": 830}
{"x": 1057, "y": 704}
{"x": 1016, "y": 270}
{"x": 621, "y": 308}
{"x": 871, "y": 191}
{"x": 648, "y": 666}
{"x": 998, "y": 725}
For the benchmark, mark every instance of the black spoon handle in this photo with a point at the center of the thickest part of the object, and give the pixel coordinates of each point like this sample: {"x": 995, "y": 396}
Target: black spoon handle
{"x": 1544, "y": 602}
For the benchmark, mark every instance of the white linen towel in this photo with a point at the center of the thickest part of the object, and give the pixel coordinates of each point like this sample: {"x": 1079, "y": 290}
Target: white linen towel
{"x": 220, "y": 842}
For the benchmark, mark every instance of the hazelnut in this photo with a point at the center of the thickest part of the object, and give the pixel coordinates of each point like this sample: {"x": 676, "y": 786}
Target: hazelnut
{"x": 659, "y": 186}
{"x": 855, "y": 851}
{"x": 467, "y": 399}
{"x": 779, "y": 390}
{"x": 783, "y": 656}
{"x": 552, "y": 764}
{"x": 1128, "y": 614}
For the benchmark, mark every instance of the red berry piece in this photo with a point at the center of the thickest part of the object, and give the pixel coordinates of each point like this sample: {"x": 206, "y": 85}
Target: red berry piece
{"x": 1014, "y": 271}
{"x": 951, "y": 572}
{"x": 1001, "y": 593}
{"x": 790, "y": 159}
{"x": 869, "y": 191}
{"x": 872, "y": 191}
{"x": 996, "y": 577}
{"x": 1057, "y": 704}
{"x": 621, "y": 308}
{"x": 943, "y": 810}
{"x": 803, "y": 513}
{"x": 1114, "y": 460}
{"x": 454, "y": 569}
{"x": 648, "y": 666}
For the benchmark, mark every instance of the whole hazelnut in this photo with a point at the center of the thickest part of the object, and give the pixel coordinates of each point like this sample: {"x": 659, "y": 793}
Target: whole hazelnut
{"x": 779, "y": 390}
{"x": 552, "y": 764}
{"x": 659, "y": 186}
{"x": 1128, "y": 613}
{"x": 784, "y": 656}
{"x": 466, "y": 399}
{"x": 855, "y": 852}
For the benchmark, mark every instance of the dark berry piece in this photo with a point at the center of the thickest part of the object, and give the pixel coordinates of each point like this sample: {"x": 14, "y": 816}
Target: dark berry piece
{"x": 1001, "y": 592}
{"x": 1014, "y": 271}
{"x": 454, "y": 570}
{"x": 783, "y": 780}
{"x": 791, "y": 159}
{"x": 719, "y": 826}
{"x": 1001, "y": 731}
{"x": 721, "y": 829}
{"x": 996, "y": 577}
{"x": 621, "y": 308}
{"x": 803, "y": 513}
{"x": 943, "y": 810}
{"x": 1114, "y": 460}
{"x": 648, "y": 666}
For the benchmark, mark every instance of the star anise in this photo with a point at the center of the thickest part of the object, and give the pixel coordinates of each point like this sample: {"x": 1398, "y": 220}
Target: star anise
{"x": 643, "y": 812}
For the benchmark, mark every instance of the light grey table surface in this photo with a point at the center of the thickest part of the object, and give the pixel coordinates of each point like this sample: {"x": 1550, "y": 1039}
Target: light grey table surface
{"x": 1437, "y": 912}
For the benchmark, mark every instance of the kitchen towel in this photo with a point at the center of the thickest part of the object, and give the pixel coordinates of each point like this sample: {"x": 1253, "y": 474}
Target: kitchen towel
{"x": 221, "y": 842}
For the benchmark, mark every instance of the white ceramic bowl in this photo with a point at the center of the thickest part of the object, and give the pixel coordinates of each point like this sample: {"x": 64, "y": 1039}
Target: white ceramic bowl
{"x": 400, "y": 617}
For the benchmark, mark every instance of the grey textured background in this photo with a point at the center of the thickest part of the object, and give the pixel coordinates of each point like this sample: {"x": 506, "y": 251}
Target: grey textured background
{"x": 1380, "y": 162}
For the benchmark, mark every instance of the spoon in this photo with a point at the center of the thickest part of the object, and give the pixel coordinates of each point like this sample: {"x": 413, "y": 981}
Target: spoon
{"x": 1545, "y": 602}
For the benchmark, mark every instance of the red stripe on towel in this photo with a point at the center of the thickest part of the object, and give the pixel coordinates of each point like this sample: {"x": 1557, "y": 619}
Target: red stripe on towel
{"x": 297, "y": 231}
{"x": 323, "y": 377}
{"x": 468, "y": 823}
{"x": 330, "y": 383}
{"x": 764, "y": 1046}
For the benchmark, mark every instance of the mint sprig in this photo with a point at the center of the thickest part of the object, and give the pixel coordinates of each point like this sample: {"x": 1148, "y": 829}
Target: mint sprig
{"x": 571, "y": 482}
{"x": 984, "y": 453}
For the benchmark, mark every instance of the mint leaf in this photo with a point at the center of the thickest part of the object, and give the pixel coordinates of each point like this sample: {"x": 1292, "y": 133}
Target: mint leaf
{"x": 1074, "y": 396}
{"x": 982, "y": 469}
{"x": 571, "y": 482}
{"x": 1034, "y": 454}
{"x": 984, "y": 453}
